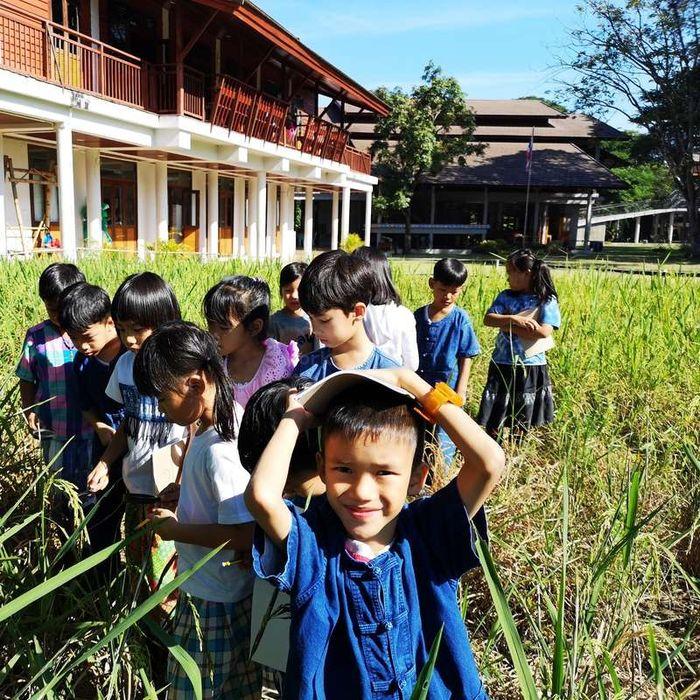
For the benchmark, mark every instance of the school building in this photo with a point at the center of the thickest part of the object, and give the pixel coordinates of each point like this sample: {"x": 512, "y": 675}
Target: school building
{"x": 134, "y": 123}
{"x": 487, "y": 194}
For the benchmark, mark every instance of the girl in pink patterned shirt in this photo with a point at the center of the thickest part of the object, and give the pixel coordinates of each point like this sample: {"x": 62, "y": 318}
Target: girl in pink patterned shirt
{"x": 237, "y": 310}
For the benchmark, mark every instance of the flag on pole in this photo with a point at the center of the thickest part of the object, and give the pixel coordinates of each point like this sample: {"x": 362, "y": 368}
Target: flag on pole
{"x": 528, "y": 154}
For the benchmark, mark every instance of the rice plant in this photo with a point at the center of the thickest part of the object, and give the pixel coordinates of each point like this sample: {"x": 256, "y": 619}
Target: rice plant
{"x": 590, "y": 586}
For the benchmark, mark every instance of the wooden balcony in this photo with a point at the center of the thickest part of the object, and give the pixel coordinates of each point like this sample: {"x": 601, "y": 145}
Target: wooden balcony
{"x": 49, "y": 51}
{"x": 42, "y": 49}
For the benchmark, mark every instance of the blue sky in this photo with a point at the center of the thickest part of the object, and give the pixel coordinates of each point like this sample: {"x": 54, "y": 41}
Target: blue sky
{"x": 497, "y": 49}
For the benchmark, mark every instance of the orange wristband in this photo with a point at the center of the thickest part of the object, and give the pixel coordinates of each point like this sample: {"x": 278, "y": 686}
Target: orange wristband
{"x": 437, "y": 397}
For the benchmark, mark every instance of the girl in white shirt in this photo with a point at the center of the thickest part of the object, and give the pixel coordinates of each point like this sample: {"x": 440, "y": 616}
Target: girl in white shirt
{"x": 181, "y": 366}
{"x": 390, "y": 326}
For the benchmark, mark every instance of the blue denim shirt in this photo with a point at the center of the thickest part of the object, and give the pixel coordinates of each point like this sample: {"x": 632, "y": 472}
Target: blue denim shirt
{"x": 509, "y": 349}
{"x": 364, "y": 630}
{"x": 442, "y": 343}
{"x": 319, "y": 364}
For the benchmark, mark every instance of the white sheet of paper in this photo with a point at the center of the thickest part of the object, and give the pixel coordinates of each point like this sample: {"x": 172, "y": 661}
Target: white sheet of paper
{"x": 165, "y": 468}
{"x": 535, "y": 347}
{"x": 273, "y": 648}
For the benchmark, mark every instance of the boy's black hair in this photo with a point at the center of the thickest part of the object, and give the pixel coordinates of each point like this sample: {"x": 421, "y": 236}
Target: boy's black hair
{"x": 291, "y": 272}
{"x": 375, "y": 414}
{"x": 262, "y": 415}
{"x": 81, "y": 306}
{"x": 335, "y": 280}
{"x": 524, "y": 260}
{"x": 246, "y": 299}
{"x": 175, "y": 350}
{"x": 145, "y": 299}
{"x": 383, "y": 289}
{"x": 450, "y": 272}
{"x": 57, "y": 277}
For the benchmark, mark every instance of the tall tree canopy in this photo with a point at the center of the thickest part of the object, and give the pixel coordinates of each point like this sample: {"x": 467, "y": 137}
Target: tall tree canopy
{"x": 426, "y": 129}
{"x": 641, "y": 58}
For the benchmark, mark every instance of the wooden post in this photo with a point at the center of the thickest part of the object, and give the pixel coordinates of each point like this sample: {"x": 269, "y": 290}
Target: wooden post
{"x": 3, "y": 224}
{"x": 179, "y": 68}
{"x": 589, "y": 216}
{"x": 238, "y": 216}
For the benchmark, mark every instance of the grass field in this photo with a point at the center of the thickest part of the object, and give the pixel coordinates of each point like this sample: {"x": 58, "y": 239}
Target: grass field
{"x": 594, "y": 530}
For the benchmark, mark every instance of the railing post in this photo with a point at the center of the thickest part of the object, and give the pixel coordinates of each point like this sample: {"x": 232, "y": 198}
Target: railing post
{"x": 180, "y": 87}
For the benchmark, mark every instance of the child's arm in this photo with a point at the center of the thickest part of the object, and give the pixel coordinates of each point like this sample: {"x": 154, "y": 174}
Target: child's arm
{"x": 464, "y": 365}
{"x": 522, "y": 326}
{"x": 98, "y": 478}
{"x": 264, "y": 495}
{"x": 27, "y": 394}
{"x": 104, "y": 432}
{"x": 210, "y": 535}
{"x": 484, "y": 461}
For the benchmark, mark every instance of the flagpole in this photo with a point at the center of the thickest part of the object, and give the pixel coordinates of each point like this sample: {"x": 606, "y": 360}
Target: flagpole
{"x": 527, "y": 193}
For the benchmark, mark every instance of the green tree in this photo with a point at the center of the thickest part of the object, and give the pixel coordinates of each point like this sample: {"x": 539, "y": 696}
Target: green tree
{"x": 425, "y": 130}
{"x": 641, "y": 58}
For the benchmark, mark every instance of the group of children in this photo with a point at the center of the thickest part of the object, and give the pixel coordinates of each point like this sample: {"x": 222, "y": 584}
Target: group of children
{"x": 315, "y": 490}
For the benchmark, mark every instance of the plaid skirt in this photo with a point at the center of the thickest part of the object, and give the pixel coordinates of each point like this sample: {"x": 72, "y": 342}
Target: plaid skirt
{"x": 516, "y": 396}
{"x": 217, "y": 637}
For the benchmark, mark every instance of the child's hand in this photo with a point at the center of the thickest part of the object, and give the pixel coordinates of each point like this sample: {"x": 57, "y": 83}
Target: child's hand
{"x": 98, "y": 478}
{"x": 104, "y": 433}
{"x": 529, "y": 324}
{"x": 298, "y": 413}
{"x": 32, "y": 424}
{"x": 165, "y": 522}
{"x": 169, "y": 496}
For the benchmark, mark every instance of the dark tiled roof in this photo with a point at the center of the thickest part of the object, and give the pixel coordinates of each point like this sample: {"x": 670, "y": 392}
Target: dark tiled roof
{"x": 556, "y": 166}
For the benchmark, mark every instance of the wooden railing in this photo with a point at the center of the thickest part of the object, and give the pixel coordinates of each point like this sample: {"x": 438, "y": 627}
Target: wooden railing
{"x": 357, "y": 160}
{"x": 43, "y": 49}
{"x": 239, "y": 107}
{"x": 321, "y": 138}
{"x": 171, "y": 93}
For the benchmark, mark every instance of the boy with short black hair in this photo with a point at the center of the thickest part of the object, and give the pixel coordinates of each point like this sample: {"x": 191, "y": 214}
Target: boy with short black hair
{"x": 46, "y": 377}
{"x": 335, "y": 291}
{"x": 373, "y": 579}
{"x": 86, "y": 316}
{"x": 447, "y": 342}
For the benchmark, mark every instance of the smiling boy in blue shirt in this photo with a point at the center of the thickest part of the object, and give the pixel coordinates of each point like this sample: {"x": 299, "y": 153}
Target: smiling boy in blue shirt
{"x": 371, "y": 578}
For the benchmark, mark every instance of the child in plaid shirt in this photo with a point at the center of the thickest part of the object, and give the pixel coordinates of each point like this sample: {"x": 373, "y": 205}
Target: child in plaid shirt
{"x": 47, "y": 384}
{"x": 180, "y": 365}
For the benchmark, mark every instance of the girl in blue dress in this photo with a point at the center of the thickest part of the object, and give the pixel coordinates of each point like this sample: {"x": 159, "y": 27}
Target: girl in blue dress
{"x": 518, "y": 391}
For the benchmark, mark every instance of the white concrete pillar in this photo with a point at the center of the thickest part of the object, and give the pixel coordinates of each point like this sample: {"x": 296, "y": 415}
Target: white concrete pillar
{"x": 271, "y": 235}
{"x": 345, "y": 221}
{"x": 238, "y": 216}
{"x": 284, "y": 223}
{"x": 261, "y": 205}
{"x": 334, "y": 220}
{"x": 199, "y": 183}
{"x": 637, "y": 228}
{"x": 671, "y": 217}
{"x": 309, "y": 223}
{"x": 589, "y": 216}
{"x": 3, "y": 223}
{"x": 94, "y": 19}
{"x": 80, "y": 188}
{"x": 291, "y": 231}
{"x": 66, "y": 191}
{"x": 146, "y": 206}
{"x": 253, "y": 219}
{"x": 213, "y": 213}
{"x": 162, "y": 201}
{"x": 368, "y": 217}
{"x": 94, "y": 199}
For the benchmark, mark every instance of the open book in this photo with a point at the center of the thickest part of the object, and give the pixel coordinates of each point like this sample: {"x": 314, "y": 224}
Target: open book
{"x": 535, "y": 347}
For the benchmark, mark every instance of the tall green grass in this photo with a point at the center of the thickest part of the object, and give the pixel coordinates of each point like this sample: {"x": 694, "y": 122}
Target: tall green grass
{"x": 590, "y": 587}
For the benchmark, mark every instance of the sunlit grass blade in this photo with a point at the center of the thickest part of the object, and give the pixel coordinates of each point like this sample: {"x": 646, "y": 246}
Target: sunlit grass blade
{"x": 558, "y": 660}
{"x": 44, "y": 588}
{"x": 141, "y": 611}
{"x": 420, "y": 691}
{"x": 655, "y": 663}
{"x": 188, "y": 664}
{"x": 505, "y": 617}
{"x": 18, "y": 527}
